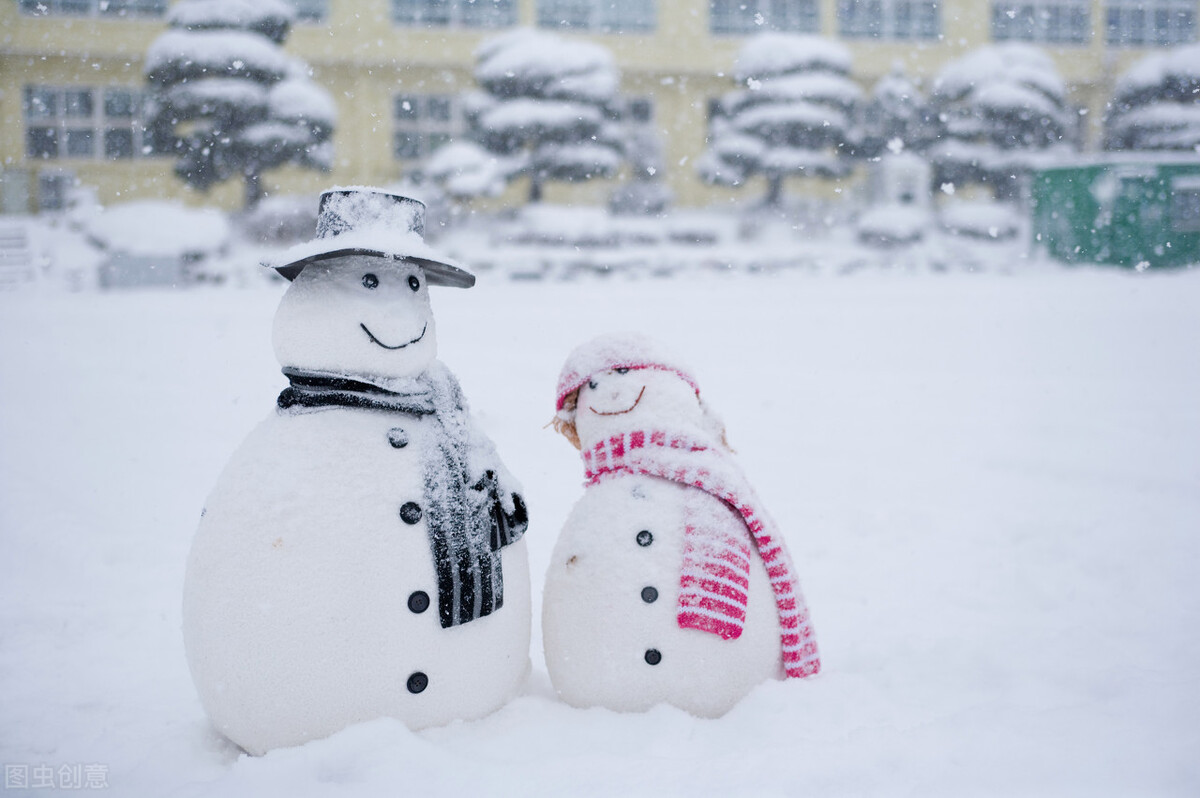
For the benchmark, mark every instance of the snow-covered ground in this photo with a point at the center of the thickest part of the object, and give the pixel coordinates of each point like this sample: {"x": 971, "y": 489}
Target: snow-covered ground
{"x": 990, "y": 484}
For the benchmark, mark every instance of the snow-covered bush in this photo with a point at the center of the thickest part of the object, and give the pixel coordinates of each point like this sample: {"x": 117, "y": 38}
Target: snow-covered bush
{"x": 1000, "y": 107}
{"x": 227, "y": 100}
{"x": 544, "y": 111}
{"x": 896, "y": 117}
{"x": 645, "y": 194}
{"x": 792, "y": 115}
{"x": 1157, "y": 104}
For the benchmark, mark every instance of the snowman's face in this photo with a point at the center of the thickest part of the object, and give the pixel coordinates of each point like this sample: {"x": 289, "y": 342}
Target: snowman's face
{"x": 614, "y": 401}
{"x": 358, "y": 316}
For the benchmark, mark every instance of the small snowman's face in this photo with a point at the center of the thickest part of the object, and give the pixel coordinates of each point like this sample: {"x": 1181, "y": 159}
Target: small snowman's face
{"x": 621, "y": 399}
{"x": 359, "y": 316}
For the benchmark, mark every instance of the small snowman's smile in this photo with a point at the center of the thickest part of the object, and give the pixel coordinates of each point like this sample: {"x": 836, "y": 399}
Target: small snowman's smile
{"x": 641, "y": 393}
{"x": 397, "y": 346}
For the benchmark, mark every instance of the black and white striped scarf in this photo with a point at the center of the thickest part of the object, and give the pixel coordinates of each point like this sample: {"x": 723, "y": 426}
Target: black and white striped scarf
{"x": 470, "y": 516}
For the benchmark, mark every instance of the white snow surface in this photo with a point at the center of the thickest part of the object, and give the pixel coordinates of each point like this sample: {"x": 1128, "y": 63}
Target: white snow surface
{"x": 1182, "y": 63}
{"x": 217, "y": 51}
{"x": 228, "y": 13}
{"x": 576, "y": 68}
{"x": 988, "y": 482}
{"x": 151, "y": 227}
{"x": 1011, "y": 62}
{"x": 295, "y": 98}
{"x": 769, "y": 54}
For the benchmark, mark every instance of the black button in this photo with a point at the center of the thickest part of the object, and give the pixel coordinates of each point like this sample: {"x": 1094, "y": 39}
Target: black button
{"x": 652, "y": 658}
{"x": 418, "y": 602}
{"x": 410, "y": 513}
{"x": 419, "y": 681}
{"x": 649, "y": 595}
{"x": 397, "y": 437}
{"x": 644, "y": 538}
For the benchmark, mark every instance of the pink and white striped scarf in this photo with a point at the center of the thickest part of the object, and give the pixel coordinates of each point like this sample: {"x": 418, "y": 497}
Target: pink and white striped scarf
{"x": 715, "y": 577}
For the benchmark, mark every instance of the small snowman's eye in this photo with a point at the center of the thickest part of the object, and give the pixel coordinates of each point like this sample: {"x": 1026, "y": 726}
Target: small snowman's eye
{"x": 413, "y": 282}
{"x": 370, "y": 281}
{"x": 592, "y": 384}
{"x": 622, "y": 371}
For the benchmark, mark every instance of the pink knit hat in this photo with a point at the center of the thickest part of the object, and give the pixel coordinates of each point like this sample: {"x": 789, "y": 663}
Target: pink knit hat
{"x": 616, "y": 351}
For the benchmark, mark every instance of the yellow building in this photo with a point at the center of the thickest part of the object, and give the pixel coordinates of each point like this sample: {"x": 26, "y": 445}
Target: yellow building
{"x": 71, "y": 74}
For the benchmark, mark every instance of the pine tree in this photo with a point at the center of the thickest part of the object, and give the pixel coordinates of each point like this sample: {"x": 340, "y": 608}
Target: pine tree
{"x": 544, "y": 111}
{"x": 1000, "y": 108}
{"x": 896, "y": 117}
{"x": 1156, "y": 105}
{"x": 226, "y": 99}
{"x": 793, "y": 114}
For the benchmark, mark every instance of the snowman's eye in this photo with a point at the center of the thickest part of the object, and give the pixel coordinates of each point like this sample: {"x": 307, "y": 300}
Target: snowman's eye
{"x": 622, "y": 371}
{"x": 370, "y": 281}
{"x": 592, "y": 384}
{"x": 413, "y": 282}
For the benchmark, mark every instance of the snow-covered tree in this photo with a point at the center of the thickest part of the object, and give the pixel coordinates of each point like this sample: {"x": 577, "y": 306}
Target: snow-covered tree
{"x": 228, "y": 101}
{"x": 791, "y": 115}
{"x": 1000, "y": 107}
{"x": 544, "y": 111}
{"x": 1157, "y": 104}
{"x": 896, "y": 117}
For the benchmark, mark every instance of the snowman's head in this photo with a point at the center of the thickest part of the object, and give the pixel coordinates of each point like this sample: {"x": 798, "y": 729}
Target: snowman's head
{"x": 357, "y": 315}
{"x": 618, "y": 383}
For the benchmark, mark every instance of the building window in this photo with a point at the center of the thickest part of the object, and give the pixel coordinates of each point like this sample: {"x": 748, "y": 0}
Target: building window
{"x": 81, "y": 122}
{"x": 94, "y": 8}
{"x": 455, "y": 13}
{"x": 423, "y": 123}
{"x": 1147, "y": 23}
{"x": 753, "y": 16}
{"x": 610, "y": 16}
{"x": 890, "y": 19}
{"x": 310, "y": 11}
{"x": 1050, "y": 21}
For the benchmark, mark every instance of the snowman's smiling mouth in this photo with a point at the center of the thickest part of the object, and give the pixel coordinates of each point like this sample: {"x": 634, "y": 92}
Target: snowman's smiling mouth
{"x": 641, "y": 393}
{"x": 397, "y": 346}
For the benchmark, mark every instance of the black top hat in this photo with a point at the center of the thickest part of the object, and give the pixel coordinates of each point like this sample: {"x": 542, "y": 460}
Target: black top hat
{"x": 371, "y": 222}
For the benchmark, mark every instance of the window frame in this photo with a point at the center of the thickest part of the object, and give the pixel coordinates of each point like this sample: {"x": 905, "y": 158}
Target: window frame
{"x": 96, "y": 9}
{"x": 600, "y": 16}
{"x": 1053, "y": 22}
{"x": 744, "y": 17}
{"x": 423, "y": 128}
{"x": 1120, "y": 29}
{"x": 888, "y": 27}
{"x": 454, "y": 14}
{"x": 82, "y": 123}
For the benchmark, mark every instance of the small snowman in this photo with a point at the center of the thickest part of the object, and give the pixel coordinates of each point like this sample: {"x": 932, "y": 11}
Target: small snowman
{"x": 669, "y": 582}
{"x": 361, "y": 555}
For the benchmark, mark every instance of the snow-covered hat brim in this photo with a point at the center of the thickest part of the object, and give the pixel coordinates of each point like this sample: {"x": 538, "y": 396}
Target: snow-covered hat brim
{"x": 398, "y": 246}
{"x": 370, "y": 222}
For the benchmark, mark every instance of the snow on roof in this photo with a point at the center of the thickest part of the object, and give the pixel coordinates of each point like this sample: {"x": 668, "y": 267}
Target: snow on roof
{"x": 154, "y": 227}
{"x": 221, "y": 52}
{"x": 770, "y": 54}
{"x": 228, "y": 13}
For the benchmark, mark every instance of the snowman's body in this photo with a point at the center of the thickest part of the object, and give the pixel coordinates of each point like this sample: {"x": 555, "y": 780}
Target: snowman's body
{"x": 310, "y": 602}
{"x": 319, "y": 592}
{"x": 615, "y": 631}
{"x": 626, "y": 534}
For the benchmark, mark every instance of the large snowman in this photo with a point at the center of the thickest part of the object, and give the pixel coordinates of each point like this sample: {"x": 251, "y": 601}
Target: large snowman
{"x": 669, "y": 582}
{"x": 361, "y": 553}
